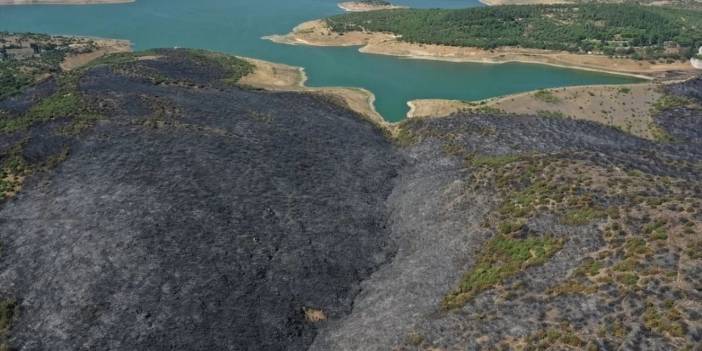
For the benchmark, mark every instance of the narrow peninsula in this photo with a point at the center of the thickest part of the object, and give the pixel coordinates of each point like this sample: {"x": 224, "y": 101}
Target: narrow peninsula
{"x": 368, "y": 5}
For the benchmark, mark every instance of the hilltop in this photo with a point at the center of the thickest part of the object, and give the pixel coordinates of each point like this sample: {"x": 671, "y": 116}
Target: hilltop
{"x": 202, "y": 208}
{"x": 152, "y": 200}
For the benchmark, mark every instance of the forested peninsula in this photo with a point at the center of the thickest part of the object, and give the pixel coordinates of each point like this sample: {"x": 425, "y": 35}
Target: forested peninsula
{"x": 368, "y": 5}
{"x": 643, "y": 41}
{"x": 639, "y": 32}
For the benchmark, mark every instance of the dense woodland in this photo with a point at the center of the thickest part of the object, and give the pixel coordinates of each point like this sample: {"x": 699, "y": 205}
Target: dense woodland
{"x": 613, "y": 29}
{"x": 683, "y": 4}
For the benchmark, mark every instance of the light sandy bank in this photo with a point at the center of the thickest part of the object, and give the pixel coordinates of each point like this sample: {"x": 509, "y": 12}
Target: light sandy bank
{"x": 318, "y": 33}
{"x": 627, "y": 107}
{"x": 357, "y": 6}
{"x": 62, "y": 2}
{"x": 279, "y": 77}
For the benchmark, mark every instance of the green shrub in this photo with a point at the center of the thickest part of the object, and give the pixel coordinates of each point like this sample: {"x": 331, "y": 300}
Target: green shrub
{"x": 551, "y": 114}
{"x": 590, "y": 267}
{"x": 61, "y": 104}
{"x": 635, "y": 246}
{"x": 495, "y": 161}
{"x": 546, "y": 96}
{"x": 668, "y": 102}
{"x": 629, "y": 279}
{"x": 582, "y": 215}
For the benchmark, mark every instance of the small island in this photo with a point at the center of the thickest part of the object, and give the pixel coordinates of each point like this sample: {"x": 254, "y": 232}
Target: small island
{"x": 62, "y": 2}
{"x": 368, "y": 5}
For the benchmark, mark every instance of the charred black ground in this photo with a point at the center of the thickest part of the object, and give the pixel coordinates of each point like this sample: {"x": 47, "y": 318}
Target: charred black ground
{"x": 192, "y": 216}
{"x": 152, "y": 204}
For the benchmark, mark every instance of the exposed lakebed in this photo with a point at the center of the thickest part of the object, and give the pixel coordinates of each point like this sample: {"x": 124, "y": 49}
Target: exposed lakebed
{"x": 237, "y": 27}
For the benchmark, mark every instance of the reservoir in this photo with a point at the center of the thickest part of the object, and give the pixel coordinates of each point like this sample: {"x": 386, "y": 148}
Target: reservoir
{"x": 236, "y": 27}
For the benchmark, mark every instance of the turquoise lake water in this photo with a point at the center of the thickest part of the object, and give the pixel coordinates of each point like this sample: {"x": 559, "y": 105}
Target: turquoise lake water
{"x": 236, "y": 26}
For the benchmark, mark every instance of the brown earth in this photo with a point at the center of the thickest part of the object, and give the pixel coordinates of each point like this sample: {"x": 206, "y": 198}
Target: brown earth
{"x": 627, "y": 107}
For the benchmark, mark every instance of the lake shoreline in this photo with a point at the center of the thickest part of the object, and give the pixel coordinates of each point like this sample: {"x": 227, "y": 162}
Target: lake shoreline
{"x": 272, "y": 76}
{"x": 317, "y": 33}
{"x": 266, "y": 75}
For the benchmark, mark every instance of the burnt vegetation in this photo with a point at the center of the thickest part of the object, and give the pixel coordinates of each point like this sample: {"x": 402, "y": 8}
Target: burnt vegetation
{"x": 584, "y": 215}
{"x": 209, "y": 216}
{"x": 149, "y": 202}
